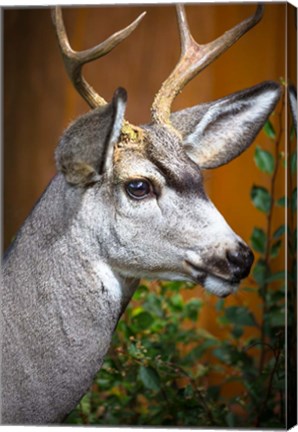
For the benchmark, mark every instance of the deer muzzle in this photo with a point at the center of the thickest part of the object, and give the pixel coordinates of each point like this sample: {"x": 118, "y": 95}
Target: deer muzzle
{"x": 222, "y": 275}
{"x": 240, "y": 261}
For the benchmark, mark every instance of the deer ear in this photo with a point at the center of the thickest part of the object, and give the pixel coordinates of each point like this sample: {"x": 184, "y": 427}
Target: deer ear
{"x": 85, "y": 150}
{"x": 225, "y": 128}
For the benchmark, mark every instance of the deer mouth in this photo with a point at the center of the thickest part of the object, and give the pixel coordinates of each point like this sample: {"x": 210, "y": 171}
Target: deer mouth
{"x": 213, "y": 283}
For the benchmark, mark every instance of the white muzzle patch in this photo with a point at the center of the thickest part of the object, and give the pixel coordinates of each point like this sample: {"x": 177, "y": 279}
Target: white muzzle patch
{"x": 219, "y": 287}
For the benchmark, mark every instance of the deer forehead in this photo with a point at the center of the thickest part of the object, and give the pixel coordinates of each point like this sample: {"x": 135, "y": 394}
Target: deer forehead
{"x": 129, "y": 156}
{"x": 159, "y": 154}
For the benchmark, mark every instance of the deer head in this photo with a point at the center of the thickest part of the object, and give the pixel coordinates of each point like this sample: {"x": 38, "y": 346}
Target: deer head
{"x": 143, "y": 200}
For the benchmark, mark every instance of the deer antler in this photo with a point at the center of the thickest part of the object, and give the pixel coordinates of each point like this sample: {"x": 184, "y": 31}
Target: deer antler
{"x": 193, "y": 59}
{"x": 75, "y": 60}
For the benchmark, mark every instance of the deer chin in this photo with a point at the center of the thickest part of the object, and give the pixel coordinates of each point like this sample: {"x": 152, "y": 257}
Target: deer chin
{"x": 214, "y": 284}
{"x": 220, "y": 287}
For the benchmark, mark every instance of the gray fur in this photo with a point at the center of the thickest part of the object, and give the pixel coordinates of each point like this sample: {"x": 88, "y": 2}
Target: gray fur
{"x": 77, "y": 259}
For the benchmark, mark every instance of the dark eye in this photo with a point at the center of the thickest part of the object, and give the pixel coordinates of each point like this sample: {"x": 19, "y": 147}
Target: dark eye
{"x": 138, "y": 189}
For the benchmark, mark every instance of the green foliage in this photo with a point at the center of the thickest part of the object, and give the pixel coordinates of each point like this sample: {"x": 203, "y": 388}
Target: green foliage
{"x": 149, "y": 378}
{"x": 282, "y": 201}
{"x": 258, "y": 240}
{"x": 264, "y": 160}
{"x": 261, "y": 198}
{"x": 239, "y": 315}
{"x": 157, "y": 372}
{"x": 269, "y": 130}
{"x": 279, "y": 232}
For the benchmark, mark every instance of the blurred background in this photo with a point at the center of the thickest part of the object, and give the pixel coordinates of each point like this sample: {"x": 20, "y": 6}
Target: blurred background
{"x": 39, "y": 100}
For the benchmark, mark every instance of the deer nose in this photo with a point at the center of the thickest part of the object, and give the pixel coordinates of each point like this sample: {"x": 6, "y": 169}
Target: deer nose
{"x": 240, "y": 261}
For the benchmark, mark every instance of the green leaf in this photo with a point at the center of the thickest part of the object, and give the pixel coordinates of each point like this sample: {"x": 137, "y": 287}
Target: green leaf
{"x": 275, "y": 248}
{"x": 149, "y": 377}
{"x": 279, "y": 232}
{"x": 197, "y": 352}
{"x": 269, "y": 130}
{"x": 177, "y": 302}
{"x": 205, "y": 334}
{"x": 174, "y": 285}
{"x": 259, "y": 272}
{"x": 192, "y": 309}
{"x": 264, "y": 160}
{"x": 293, "y": 162}
{"x": 142, "y": 320}
{"x": 85, "y": 404}
{"x": 222, "y": 354}
{"x": 261, "y": 198}
{"x": 258, "y": 240}
{"x": 219, "y": 304}
{"x": 282, "y": 202}
{"x": 277, "y": 318}
{"x": 153, "y": 303}
{"x": 239, "y": 315}
{"x": 142, "y": 289}
{"x": 237, "y": 331}
{"x": 276, "y": 277}
{"x": 134, "y": 351}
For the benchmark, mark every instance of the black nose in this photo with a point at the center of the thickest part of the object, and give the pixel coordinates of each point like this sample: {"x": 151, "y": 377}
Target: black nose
{"x": 240, "y": 261}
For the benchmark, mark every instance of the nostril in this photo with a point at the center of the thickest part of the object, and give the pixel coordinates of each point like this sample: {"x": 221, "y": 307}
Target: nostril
{"x": 234, "y": 257}
{"x": 240, "y": 261}
{"x": 235, "y": 263}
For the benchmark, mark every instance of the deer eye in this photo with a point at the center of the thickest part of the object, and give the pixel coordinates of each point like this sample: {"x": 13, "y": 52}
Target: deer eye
{"x": 138, "y": 189}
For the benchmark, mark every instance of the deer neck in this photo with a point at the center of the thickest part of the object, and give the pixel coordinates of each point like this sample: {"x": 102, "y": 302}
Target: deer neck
{"x": 65, "y": 304}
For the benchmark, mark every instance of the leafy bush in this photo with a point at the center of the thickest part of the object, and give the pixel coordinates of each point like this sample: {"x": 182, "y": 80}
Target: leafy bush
{"x": 158, "y": 369}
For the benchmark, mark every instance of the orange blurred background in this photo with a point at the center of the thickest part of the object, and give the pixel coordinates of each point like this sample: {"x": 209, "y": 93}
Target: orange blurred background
{"x": 39, "y": 100}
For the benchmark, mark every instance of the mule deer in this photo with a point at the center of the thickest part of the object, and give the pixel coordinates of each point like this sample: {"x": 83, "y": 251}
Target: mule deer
{"x": 127, "y": 202}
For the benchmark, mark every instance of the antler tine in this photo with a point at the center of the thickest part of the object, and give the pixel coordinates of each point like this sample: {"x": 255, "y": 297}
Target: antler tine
{"x": 194, "y": 58}
{"x": 186, "y": 39}
{"x": 75, "y": 60}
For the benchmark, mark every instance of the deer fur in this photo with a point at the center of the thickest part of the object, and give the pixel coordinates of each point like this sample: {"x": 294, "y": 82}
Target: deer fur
{"x": 77, "y": 259}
